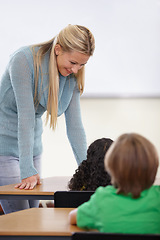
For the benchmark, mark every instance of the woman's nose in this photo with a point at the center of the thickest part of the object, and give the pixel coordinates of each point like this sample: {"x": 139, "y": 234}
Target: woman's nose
{"x": 75, "y": 68}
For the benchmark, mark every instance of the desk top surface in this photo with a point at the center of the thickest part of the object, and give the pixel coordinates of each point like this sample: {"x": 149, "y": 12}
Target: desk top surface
{"x": 38, "y": 222}
{"x": 48, "y": 187}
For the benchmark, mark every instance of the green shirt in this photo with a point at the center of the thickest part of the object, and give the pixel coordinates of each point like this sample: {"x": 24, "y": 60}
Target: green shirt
{"x": 108, "y": 211}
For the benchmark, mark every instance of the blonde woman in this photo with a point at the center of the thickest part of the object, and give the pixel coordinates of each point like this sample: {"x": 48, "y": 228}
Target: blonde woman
{"x": 43, "y": 77}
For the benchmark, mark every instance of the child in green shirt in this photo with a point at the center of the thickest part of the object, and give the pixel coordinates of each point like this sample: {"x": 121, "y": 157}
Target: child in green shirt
{"x": 132, "y": 204}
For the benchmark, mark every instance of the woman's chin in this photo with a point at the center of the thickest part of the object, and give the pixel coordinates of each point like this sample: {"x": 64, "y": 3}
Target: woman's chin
{"x": 65, "y": 74}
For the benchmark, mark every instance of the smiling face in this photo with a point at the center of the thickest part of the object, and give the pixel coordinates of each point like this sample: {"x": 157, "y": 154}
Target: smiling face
{"x": 69, "y": 62}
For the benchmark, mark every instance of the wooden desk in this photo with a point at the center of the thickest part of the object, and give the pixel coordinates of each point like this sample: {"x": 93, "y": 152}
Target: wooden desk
{"x": 37, "y": 224}
{"x": 45, "y": 191}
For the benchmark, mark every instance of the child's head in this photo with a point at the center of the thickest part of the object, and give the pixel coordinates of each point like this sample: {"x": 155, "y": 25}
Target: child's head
{"x": 91, "y": 173}
{"x": 132, "y": 162}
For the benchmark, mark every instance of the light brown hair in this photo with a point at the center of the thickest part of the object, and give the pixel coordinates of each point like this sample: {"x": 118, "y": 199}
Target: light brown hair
{"x": 132, "y": 162}
{"x": 72, "y": 38}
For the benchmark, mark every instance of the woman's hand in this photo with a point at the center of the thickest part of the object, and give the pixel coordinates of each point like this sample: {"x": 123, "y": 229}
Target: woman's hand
{"x": 29, "y": 183}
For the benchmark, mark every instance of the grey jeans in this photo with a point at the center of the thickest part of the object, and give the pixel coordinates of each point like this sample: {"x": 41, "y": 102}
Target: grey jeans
{"x": 9, "y": 174}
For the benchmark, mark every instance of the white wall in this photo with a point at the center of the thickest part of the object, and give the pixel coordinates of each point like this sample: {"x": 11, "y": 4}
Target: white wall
{"x": 101, "y": 118}
{"x": 126, "y": 59}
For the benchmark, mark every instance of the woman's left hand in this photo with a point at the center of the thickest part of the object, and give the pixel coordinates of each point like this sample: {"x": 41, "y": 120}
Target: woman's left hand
{"x": 29, "y": 183}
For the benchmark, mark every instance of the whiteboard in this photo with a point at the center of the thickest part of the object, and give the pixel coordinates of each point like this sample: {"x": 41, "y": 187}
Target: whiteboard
{"x": 126, "y": 62}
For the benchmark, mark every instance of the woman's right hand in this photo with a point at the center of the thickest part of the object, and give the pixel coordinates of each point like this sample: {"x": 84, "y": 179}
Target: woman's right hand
{"x": 29, "y": 183}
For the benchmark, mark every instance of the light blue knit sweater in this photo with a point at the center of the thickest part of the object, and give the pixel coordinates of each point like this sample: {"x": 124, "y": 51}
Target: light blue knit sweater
{"x": 20, "y": 120}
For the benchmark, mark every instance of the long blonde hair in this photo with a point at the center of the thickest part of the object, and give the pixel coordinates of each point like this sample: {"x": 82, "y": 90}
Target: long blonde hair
{"x": 72, "y": 38}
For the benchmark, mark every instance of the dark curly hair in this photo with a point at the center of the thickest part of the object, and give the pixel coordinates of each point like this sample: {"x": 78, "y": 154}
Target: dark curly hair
{"x": 91, "y": 173}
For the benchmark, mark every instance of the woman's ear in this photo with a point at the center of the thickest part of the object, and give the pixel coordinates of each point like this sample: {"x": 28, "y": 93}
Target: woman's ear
{"x": 57, "y": 49}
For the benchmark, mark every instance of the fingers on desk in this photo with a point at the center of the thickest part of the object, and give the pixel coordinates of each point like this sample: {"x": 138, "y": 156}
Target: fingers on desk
{"x": 25, "y": 185}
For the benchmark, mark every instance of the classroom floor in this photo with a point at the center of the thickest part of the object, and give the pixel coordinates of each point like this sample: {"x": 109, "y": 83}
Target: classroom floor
{"x": 46, "y": 203}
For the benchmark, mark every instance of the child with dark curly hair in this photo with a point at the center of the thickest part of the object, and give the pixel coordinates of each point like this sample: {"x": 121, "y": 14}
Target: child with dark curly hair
{"x": 91, "y": 173}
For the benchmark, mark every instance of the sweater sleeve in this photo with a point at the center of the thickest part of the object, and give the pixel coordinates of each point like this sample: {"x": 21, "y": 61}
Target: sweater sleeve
{"x": 75, "y": 129}
{"x": 21, "y": 79}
